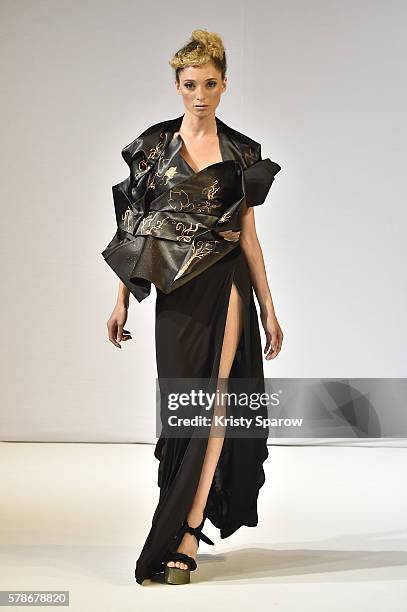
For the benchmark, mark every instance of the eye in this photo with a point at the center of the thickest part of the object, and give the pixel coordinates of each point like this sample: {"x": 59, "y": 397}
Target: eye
{"x": 188, "y": 85}
{"x": 212, "y": 84}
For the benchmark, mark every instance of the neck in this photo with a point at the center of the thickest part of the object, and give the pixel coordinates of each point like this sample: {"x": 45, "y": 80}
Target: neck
{"x": 198, "y": 127}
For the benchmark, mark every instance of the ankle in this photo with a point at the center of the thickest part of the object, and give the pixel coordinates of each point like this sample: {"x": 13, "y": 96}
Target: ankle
{"x": 195, "y": 518}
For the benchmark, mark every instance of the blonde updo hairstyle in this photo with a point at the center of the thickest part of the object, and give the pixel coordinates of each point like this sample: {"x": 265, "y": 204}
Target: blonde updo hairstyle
{"x": 203, "y": 47}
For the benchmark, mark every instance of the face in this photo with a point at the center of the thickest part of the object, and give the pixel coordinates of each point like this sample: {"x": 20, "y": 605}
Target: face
{"x": 201, "y": 85}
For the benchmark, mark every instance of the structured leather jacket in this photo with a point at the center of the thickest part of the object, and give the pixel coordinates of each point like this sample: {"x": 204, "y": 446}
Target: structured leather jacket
{"x": 169, "y": 239}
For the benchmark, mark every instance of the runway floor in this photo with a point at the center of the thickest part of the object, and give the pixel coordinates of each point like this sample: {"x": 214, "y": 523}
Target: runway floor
{"x": 332, "y": 531}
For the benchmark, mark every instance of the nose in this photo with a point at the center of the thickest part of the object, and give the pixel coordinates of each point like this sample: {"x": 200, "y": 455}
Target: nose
{"x": 200, "y": 96}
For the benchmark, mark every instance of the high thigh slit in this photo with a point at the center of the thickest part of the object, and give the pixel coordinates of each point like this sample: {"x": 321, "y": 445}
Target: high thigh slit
{"x": 234, "y": 329}
{"x": 190, "y": 326}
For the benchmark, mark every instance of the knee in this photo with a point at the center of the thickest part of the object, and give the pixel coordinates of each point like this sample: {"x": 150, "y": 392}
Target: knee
{"x": 223, "y": 376}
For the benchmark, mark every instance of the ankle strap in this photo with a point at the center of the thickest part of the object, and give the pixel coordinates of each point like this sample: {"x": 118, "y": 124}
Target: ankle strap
{"x": 197, "y": 532}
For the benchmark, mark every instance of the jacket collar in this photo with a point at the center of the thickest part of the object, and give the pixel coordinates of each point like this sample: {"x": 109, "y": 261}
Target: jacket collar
{"x": 233, "y": 144}
{"x": 147, "y": 147}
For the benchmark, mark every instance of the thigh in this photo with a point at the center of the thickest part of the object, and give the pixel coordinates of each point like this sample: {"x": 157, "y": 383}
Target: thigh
{"x": 233, "y": 330}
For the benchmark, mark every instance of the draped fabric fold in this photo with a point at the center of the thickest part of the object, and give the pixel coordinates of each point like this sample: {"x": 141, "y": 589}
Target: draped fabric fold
{"x": 170, "y": 239}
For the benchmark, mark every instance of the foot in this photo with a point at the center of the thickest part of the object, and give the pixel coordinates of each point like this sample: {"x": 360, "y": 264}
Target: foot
{"x": 188, "y": 544}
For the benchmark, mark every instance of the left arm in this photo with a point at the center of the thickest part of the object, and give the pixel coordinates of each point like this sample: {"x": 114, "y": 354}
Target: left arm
{"x": 250, "y": 245}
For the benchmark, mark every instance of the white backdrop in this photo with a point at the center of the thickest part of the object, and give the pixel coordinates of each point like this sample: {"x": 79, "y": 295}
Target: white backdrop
{"x": 320, "y": 85}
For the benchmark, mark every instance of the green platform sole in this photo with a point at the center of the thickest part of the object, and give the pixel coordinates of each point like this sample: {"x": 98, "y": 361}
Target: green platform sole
{"x": 176, "y": 575}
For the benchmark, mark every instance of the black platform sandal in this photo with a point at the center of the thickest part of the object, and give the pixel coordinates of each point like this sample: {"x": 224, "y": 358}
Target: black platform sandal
{"x": 176, "y": 575}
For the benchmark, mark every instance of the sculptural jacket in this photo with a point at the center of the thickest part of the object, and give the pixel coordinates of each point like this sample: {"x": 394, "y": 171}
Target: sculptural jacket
{"x": 169, "y": 239}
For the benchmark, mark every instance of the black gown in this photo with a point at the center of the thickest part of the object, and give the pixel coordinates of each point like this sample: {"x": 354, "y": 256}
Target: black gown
{"x": 190, "y": 316}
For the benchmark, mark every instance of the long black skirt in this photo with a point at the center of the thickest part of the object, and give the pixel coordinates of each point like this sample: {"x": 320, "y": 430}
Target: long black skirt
{"x": 190, "y": 324}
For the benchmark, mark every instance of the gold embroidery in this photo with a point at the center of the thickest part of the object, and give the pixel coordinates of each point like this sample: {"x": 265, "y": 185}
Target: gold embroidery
{"x": 146, "y": 223}
{"x": 170, "y": 173}
{"x": 211, "y": 190}
{"x": 127, "y": 217}
{"x": 203, "y": 248}
{"x": 165, "y": 177}
{"x": 186, "y": 232}
{"x": 152, "y": 223}
{"x": 143, "y": 164}
{"x": 179, "y": 205}
{"x": 225, "y": 217}
{"x": 206, "y": 207}
{"x": 155, "y": 151}
{"x": 152, "y": 184}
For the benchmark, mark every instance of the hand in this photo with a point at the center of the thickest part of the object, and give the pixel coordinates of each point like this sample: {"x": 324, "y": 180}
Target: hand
{"x": 115, "y": 325}
{"x": 230, "y": 235}
{"x": 274, "y": 335}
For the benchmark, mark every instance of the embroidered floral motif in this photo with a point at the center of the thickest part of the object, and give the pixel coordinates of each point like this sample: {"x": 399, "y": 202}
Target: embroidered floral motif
{"x": 179, "y": 204}
{"x": 147, "y": 226}
{"x": 170, "y": 173}
{"x": 153, "y": 223}
{"x": 152, "y": 184}
{"x": 208, "y": 206}
{"x": 225, "y": 217}
{"x": 202, "y": 249}
{"x": 187, "y": 233}
{"x": 211, "y": 190}
{"x": 154, "y": 152}
{"x": 163, "y": 179}
{"x": 127, "y": 217}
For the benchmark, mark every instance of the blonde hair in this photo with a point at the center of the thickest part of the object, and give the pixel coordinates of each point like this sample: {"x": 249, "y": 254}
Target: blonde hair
{"x": 203, "y": 47}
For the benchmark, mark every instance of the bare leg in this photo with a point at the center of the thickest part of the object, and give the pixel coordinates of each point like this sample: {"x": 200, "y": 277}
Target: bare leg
{"x": 233, "y": 329}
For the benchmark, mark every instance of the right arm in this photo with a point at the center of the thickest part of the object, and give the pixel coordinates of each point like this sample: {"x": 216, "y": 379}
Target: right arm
{"x": 118, "y": 318}
{"x": 123, "y": 295}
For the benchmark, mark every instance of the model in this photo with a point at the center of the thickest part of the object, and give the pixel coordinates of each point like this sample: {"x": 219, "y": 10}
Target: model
{"x": 185, "y": 223}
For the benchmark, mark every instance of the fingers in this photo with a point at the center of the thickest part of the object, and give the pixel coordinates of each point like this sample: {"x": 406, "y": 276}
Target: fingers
{"x": 273, "y": 353}
{"x": 269, "y": 348}
{"x": 117, "y": 334}
{"x": 273, "y": 346}
{"x": 126, "y": 335}
{"x": 122, "y": 334}
{"x": 112, "y": 332}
